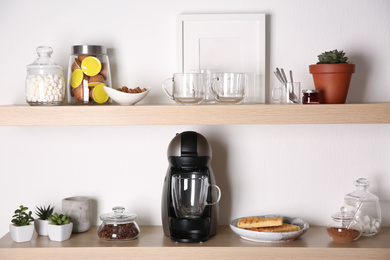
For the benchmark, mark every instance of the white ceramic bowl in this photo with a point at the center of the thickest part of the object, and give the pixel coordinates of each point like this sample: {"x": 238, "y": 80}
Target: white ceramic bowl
{"x": 271, "y": 237}
{"x": 125, "y": 99}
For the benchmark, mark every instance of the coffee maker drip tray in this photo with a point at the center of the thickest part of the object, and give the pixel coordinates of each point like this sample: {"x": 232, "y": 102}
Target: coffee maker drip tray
{"x": 189, "y": 230}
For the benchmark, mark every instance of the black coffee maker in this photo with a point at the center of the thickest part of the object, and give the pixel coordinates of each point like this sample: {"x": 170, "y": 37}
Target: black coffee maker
{"x": 189, "y": 153}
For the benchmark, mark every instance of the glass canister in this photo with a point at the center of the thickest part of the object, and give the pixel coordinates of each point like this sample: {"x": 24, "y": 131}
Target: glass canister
{"x": 88, "y": 73}
{"x": 45, "y": 83}
{"x": 343, "y": 227}
{"x": 310, "y": 96}
{"x": 118, "y": 225}
{"x": 366, "y": 206}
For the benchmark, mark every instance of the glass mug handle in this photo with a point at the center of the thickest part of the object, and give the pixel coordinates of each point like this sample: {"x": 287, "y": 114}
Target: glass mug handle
{"x": 164, "y": 87}
{"x": 219, "y": 195}
{"x": 212, "y": 86}
{"x": 277, "y": 94}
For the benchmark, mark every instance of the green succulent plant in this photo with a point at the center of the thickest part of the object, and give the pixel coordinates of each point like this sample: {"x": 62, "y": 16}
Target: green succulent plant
{"x": 59, "y": 219}
{"x": 44, "y": 213}
{"x": 21, "y": 217}
{"x": 332, "y": 57}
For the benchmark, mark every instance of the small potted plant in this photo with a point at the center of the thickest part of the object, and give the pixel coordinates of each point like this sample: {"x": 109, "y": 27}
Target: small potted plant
{"x": 21, "y": 228}
{"x": 60, "y": 227}
{"x": 332, "y": 75}
{"x": 42, "y": 221}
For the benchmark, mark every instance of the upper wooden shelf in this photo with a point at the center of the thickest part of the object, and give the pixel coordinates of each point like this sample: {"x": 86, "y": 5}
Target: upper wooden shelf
{"x": 111, "y": 115}
{"x": 152, "y": 244}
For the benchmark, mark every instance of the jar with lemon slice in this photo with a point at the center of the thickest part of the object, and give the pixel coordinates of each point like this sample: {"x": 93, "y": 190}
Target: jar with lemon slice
{"x": 88, "y": 73}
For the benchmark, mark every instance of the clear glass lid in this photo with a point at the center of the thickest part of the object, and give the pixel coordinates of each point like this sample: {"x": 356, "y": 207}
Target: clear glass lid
{"x": 118, "y": 216}
{"x": 362, "y": 193}
{"x": 343, "y": 215}
{"x": 44, "y": 59}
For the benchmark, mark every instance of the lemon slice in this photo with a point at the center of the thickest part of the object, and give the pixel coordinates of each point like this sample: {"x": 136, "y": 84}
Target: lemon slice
{"x": 99, "y": 95}
{"x": 91, "y": 66}
{"x": 76, "y": 78}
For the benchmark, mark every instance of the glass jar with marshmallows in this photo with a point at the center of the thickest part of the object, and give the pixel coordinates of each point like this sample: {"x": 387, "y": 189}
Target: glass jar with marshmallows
{"x": 45, "y": 83}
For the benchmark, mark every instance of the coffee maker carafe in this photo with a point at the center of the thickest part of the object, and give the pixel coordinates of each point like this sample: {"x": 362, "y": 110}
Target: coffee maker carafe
{"x": 190, "y": 196}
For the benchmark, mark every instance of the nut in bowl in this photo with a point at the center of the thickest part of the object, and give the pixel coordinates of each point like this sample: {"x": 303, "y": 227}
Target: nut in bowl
{"x": 125, "y": 96}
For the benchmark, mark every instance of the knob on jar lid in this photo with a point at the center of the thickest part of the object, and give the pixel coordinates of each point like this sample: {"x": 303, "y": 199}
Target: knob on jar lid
{"x": 118, "y": 216}
{"x": 343, "y": 215}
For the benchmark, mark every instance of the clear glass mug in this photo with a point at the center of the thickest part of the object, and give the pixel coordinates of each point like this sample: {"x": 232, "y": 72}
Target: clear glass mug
{"x": 208, "y": 76}
{"x": 228, "y": 87}
{"x": 287, "y": 93}
{"x": 189, "y": 195}
{"x": 185, "y": 88}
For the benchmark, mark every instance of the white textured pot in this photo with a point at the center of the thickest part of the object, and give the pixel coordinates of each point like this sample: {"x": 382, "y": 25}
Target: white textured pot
{"x": 21, "y": 233}
{"x": 41, "y": 226}
{"x": 59, "y": 232}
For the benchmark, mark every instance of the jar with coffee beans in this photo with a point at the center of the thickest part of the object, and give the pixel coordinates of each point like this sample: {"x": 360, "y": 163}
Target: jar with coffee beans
{"x": 118, "y": 225}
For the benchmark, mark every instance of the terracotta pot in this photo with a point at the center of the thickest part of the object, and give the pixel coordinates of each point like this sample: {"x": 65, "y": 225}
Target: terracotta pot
{"x": 332, "y": 80}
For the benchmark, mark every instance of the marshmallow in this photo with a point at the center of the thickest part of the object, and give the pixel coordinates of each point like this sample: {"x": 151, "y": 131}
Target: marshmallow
{"x": 45, "y": 88}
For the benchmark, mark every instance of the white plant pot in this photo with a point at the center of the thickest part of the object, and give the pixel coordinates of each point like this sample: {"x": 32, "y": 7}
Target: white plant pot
{"x": 22, "y": 233}
{"x": 41, "y": 226}
{"x": 59, "y": 232}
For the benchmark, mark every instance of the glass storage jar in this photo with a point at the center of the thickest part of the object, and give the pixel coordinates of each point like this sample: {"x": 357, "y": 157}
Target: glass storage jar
{"x": 366, "y": 206}
{"x": 343, "y": 227}
{"x": 310, "y": 96}
{"x": 45, "y": 83}
{"x": 118, "y": 225}
{"x": 88, "y": 73}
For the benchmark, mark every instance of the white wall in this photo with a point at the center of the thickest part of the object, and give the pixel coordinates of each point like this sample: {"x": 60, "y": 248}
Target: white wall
{"x": 296, "y": 170}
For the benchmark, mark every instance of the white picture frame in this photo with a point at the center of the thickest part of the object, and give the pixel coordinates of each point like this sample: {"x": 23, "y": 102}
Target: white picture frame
{"x": 224, "y": 42}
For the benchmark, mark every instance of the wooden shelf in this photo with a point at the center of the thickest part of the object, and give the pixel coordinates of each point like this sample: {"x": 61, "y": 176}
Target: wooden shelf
{"x": 111, "y": 115}
{"x": 152, "y": 244}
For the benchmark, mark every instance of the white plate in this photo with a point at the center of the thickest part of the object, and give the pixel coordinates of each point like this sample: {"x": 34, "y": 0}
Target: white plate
{"x": 271, "y": 237}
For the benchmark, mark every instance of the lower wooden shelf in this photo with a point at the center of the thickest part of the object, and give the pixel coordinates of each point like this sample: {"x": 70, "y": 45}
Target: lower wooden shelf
{"x": 152, "y": 244}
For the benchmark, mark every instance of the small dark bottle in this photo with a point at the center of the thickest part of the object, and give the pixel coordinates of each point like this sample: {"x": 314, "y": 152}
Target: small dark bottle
{"x": 310, "y": 96}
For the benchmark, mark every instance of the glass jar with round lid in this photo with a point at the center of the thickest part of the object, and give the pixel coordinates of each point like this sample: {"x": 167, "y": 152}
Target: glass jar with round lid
{"x": 366, "y": 206}
{"x": 88, "y": 73}
{"x": 45, "y": 83}
{"x": 310, "y": 96}
{"x": 343, "y": 227}
{"x": 118, "y": 225}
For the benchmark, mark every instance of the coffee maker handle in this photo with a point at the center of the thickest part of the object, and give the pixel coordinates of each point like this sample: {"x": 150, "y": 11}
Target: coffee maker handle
{"x": 219, "y": 195}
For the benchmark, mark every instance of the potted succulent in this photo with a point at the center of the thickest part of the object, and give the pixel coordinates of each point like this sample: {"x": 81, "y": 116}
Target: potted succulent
{"x": 60, "y": 227}
{"x": 21, "y": 228}
{"x": 42, "y": 221}
{"x": 332, "y": 76}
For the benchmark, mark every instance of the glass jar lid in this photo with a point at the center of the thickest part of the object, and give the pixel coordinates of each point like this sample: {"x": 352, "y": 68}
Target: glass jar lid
{"x": 343, "y": 215}
{"x": 362, "y": 193}
{"x": 310, "y": 91}
{"x": 44, "y": 59}
{"x": 118, "y": 216}
{"x": 89, "y": 49}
